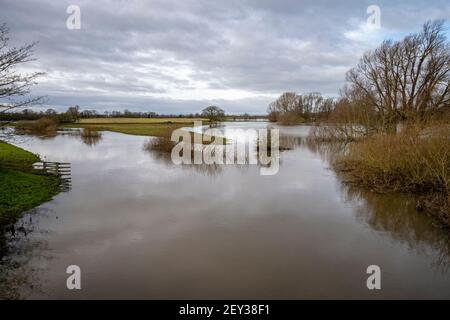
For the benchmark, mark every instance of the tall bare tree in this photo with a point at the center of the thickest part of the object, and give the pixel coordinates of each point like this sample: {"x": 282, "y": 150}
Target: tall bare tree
{"x": 14, "y": 86}
{"x": 407, "y": 80}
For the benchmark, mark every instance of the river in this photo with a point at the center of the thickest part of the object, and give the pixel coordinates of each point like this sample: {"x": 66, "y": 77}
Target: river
{"x": 141, "y": 227}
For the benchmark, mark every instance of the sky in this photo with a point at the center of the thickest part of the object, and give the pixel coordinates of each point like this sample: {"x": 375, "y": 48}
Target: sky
{"x": 180, "y": 56}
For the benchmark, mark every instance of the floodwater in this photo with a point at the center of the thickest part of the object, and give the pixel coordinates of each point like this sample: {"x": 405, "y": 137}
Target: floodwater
{"x": 141, "y": 227}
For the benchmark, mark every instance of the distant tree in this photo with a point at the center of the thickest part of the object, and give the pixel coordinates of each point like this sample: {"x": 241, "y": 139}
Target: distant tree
{"x": 50, "y": 112}
{"x": 287, "y": 108}
{"x": 213, "y": 113}
{"x": 291, "y": 108}
{"x": 88, "y": 114}
{"x": 73, "y": 113}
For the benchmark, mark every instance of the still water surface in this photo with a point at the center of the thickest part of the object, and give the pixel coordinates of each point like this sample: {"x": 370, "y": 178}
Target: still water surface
{"x": 141, "y": 227}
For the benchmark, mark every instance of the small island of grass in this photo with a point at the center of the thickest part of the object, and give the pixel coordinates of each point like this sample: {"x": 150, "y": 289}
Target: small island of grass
{"x": 157, "y": 127}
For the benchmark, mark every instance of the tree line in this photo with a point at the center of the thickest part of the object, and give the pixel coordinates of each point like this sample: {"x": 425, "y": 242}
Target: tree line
{"x": 74, "y": 113}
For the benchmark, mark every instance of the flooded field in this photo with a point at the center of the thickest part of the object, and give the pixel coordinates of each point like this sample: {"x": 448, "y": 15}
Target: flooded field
{"x": 141, "y": 227}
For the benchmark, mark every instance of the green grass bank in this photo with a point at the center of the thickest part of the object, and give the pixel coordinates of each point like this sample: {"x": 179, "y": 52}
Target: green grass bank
{"x": 21, "y": 189}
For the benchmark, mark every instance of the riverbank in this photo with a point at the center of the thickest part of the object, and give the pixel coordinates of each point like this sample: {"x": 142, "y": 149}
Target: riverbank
{"x": 20, "y": 189}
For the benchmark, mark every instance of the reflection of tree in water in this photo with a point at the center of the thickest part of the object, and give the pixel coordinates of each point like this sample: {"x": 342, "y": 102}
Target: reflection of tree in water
{"x": 290, "y": 142}
{"x": 394, "y": 214}
{"x": 328, "y": 151}
{"x": 18, "y": 274}
{"x": 90, "y": 137}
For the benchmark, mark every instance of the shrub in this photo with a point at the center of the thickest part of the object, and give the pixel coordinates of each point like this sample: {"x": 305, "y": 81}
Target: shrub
{"x": 409, "y": 161}
{"x": 43, "y": 126}
{"x": 90, "y": 137}
{"x": 164, "y": 144}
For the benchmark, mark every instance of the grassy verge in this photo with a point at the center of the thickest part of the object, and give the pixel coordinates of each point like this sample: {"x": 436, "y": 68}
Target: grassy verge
{"x": 140, "y": 120}
{"x": 413, "y": 161}
{"x": 20, "y": 191}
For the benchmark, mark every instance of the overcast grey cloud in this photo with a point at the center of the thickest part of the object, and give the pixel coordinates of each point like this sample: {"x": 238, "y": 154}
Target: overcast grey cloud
{"x": 178, "y": 56}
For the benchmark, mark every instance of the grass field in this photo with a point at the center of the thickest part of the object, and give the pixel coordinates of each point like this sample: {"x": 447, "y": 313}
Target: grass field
{"x": 10, "y": 153}
{"x": 21, "y": 191}
{"x": 157, "y": 127}
{"x": 139, "y": 120}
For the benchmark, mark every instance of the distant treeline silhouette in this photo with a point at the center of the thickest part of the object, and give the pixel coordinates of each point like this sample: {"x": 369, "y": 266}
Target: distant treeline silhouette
{"x": 74, "y": 113}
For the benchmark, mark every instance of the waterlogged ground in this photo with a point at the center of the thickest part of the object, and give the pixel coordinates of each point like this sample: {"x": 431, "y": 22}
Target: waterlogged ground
{"x": 141, "y": 227}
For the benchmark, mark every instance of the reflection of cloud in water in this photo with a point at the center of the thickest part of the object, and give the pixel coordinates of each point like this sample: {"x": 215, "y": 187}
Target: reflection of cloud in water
{"x": 165, "y": 158}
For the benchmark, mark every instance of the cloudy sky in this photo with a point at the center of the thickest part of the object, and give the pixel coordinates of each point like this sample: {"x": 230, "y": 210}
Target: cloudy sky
{"x": 179, "y": 56}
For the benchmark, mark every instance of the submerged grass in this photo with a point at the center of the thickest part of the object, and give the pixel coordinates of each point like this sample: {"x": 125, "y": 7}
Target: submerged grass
{"x": 164, "y": 143}
{"x": 140, "y": 129}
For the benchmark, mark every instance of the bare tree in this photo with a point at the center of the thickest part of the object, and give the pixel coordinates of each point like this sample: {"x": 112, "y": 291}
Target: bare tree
{"x": 291, "y": 108}
{"x": 14, "y": 86}
{"x": 407, "y": 80}
{"x": 311, "y": 103}
{"x": 287, "y": 102}
{"x": 287, "y": 108}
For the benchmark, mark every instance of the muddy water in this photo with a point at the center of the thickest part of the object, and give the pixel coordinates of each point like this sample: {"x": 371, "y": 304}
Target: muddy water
{"x": 141, "y": 227}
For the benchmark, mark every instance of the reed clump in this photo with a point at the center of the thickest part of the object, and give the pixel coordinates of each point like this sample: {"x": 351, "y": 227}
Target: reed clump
{"x": 163, "y": 144}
